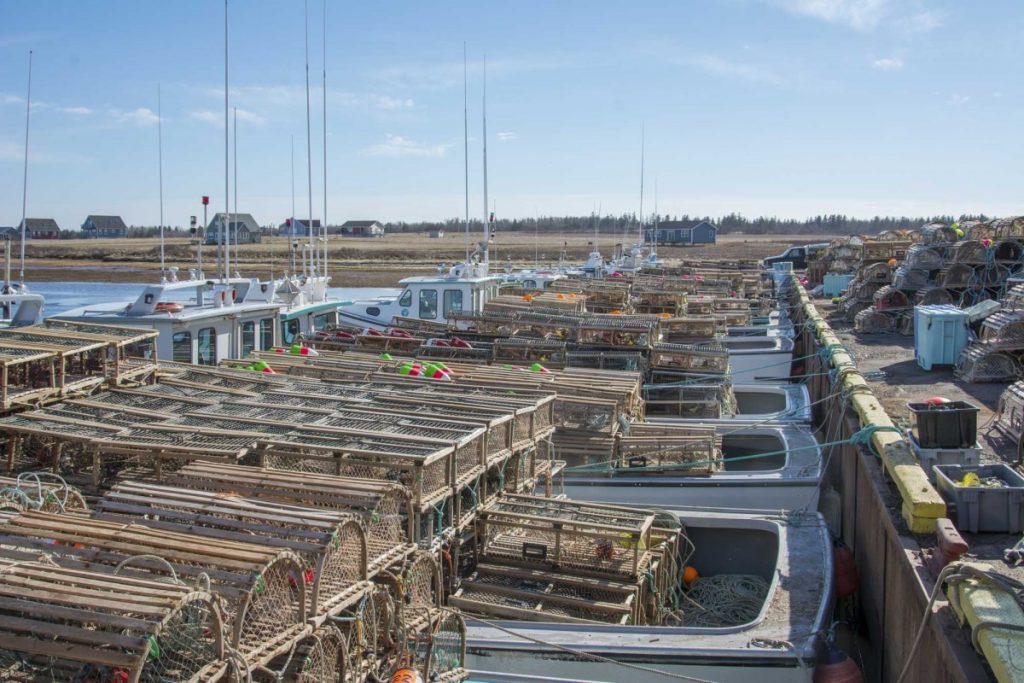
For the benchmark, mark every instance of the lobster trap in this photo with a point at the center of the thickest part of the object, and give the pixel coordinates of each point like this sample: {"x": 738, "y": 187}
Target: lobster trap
{"x": 551, "y": 354}
{"x": 872, "y": 321}
{"x": 261, "y": 588}
{"x": 980, "y": 363}
{"x": 74, "y": 625}
{"x": 321, "y": 656}
{"x": 42, "y": 491}
{"x": 630, "y": 333}
{"x": 331, "y": 545}
{"x": 383, "y": 508}
{"x": 688, "y": 328}
{"x": 591, "y": 539}
{"x": 708, "y": 400}
{"x": 709, "y": 357}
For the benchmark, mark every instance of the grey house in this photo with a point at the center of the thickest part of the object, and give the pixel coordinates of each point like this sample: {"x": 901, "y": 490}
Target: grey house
{"x": 242, "y": 229}
{"x": 104, "y": 226}
{"x": 299, "y": 229}
{"x": 362, "y": 228}
{"x": 40, "y": 229}
{"x": 684, "y": 232}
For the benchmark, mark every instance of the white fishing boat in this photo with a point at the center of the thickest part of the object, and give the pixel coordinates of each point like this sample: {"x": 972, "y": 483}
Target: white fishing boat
{"x": 757, "y": 358}
{"x": 764, "y": 467}
{"x": 777, "y": 644}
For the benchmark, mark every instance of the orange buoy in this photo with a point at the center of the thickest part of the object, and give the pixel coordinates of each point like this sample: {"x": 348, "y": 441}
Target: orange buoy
{"x": 690, "y": 575}
{"x": 406, "y": 676}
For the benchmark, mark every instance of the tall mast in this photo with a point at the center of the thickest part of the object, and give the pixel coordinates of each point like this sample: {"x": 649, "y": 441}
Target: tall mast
{"x": 487, "y": 222}
{"x": 657, "y": 218}
{"x": 309, "y": 154}
{"x": 323, "y": 225}
{"x": 642, "y": 150}
{"x": 24, "y": 174}
{"x": 465, "y": 137}
{"x": 291, "y": 223}
{"x": 234, "y": 216}
{"x": 160, "y": 162}
{"x": 227, "y": 196}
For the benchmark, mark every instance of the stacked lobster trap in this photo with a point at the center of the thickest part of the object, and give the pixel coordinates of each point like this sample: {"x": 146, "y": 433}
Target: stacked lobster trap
{"x": 547, "y": 559}
{"x": 997, "y": 355}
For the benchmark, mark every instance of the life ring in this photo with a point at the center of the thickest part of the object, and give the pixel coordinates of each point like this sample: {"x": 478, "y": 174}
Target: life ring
{"x": 168, "y": 307}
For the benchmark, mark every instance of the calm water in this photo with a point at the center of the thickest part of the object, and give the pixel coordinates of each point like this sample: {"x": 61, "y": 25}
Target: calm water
{"x": 63, "y": 296}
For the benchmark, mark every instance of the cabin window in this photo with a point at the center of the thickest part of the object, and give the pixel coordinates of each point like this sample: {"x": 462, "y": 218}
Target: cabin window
{"x": 207, "y": 346}
{"x": 529, "y": 284}
{"x": 323, "y": 320}
{"x": 406, "y": 299}
{"x": 452, "y": 302}
{"x": 289, "y": 331}
{"x": 266, "y": 333}
{"x": 181, "y": 347}
{"x": 428, "y": 304}
{"x": 248, "y": 337}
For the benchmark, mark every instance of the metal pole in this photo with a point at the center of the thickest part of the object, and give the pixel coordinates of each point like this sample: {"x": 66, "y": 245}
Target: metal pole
{"x": 465, "y": 137}
{"x": 324, "y": 224}
{"x": 291, "y": 225}
{"x": 309, "y": 151}
{"x": 227, "y": 190}
{"x": 24, "y": 177}
{"x": 234, "y": 216}
{"x": 160, "y": 158}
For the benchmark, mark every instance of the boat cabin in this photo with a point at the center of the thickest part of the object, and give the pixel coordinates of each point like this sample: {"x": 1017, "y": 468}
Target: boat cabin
{"x": 436, "y": 298}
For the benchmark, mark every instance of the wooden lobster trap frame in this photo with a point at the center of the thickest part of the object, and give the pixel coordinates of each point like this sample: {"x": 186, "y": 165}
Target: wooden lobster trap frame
{"x": 705, "y": 305}
{"x": 51, "y": 435}
{"x": 688, "y": 453}
{"x": 386, "y": 342}
{"x": 708, "y": 357}
{"x": 131, "y": 351}
{"x": 445, "y": 353}
{"x": 469, "y": 441}
{"x": 76, "y": 625}
{"x": 587, "y": 538}
{"x": 331, "y": 545}
{"x": 631, "y": 333}
{"x": 320, "y": 657}
{"x": 628, "y": 361}
{"x": 692, "y": 327}
{"x": 27, "y": 375}
{"x": 686, "y": 400}
{"x": 659, "y": 301}
{"x": 518, "y": 350}
{"x": 525, "y": 594}
{"x": 384, "y": 509}
{"x": 423, "y": 466}
{"x": 262, "y": 588}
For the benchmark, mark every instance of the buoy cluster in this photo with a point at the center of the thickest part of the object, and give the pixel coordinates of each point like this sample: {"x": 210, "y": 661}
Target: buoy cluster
{"x": 431, "y": 370}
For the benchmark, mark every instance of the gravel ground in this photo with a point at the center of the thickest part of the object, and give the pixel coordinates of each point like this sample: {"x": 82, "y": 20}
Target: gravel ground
{"x": 904, "y": 382}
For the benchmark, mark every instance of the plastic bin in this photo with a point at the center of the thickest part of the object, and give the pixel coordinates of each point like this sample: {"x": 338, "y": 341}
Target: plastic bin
{"x": 929, "y": 457}
{"x": 940, "y": 334}
{"x": 978, "y": 508}
{"x": 945, "y": 425}
{"x": 835, "y": 285}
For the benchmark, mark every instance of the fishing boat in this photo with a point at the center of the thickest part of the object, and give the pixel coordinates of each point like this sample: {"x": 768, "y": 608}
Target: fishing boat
{"x": 775, "y": 642}
{"x": 756, "y": 359}
{"x": 763, "y": 467}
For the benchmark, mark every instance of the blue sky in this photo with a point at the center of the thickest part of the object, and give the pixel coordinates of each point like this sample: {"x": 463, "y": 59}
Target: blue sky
{"x": 778, "y": 107}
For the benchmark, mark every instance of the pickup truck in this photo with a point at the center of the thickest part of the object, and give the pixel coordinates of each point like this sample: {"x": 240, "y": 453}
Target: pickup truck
{"x": 798, "y": 256}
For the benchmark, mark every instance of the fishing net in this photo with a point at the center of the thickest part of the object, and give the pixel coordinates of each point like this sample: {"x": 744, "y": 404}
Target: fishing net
{"x": 724, "y": 600}
{"x": 42, "y": 491}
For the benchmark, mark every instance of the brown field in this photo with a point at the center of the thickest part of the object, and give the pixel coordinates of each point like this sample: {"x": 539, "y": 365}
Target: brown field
{"x": 353, "y": 261}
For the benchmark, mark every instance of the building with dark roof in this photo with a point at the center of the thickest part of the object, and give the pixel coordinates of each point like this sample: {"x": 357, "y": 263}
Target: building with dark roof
{"x": 683, "y": 232}
{"x": 362, "y": 229}
{"x": 104, "y": 226}
{"x": 242, "y": 229}
{"x": 40, "y": 229}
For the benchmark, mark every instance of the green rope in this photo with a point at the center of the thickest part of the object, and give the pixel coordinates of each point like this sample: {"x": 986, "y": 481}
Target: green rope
{"x": 862, "y": 437}
{"x": 154, "y": 647}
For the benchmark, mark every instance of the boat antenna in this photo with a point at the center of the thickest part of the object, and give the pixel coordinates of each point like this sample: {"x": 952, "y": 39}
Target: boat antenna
{"x": 309, "y": 153}
{"x": 654, "y": 242}
{"x": 323, "y": 225}
{"x": 234, "y": 216}
{"x": 536, "y": 239}
{"x": 227, "y": 194}
{"x": 291, "y": 223}
{"x": 487, "y": 222}
{"x": 160, "y": 162}
{"x": 642, "y": 150}
{"x": 465, "y": 137}
{"x": 24, "y": 174}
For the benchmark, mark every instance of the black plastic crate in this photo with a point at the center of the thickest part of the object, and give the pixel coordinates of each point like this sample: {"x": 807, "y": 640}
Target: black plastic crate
{"x": 946, "y": 425}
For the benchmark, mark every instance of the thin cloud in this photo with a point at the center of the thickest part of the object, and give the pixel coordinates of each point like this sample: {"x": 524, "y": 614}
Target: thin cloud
{"x": 217, "y": 118}
{"x": 399, "y": 146}
{"x": 79, "y": 111}
{"x": 8, "y": 98}
{"x": 959, "y": 100}
{"x": 888, "y": 64}
{"x": 718, "y": 66}
{"x": 141, "y": 117}
{"x": 445, "y": 75}
{"x": 509, "y": 135}
{"x": 387, "y": 102}
{"x": 910, "y": 16}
